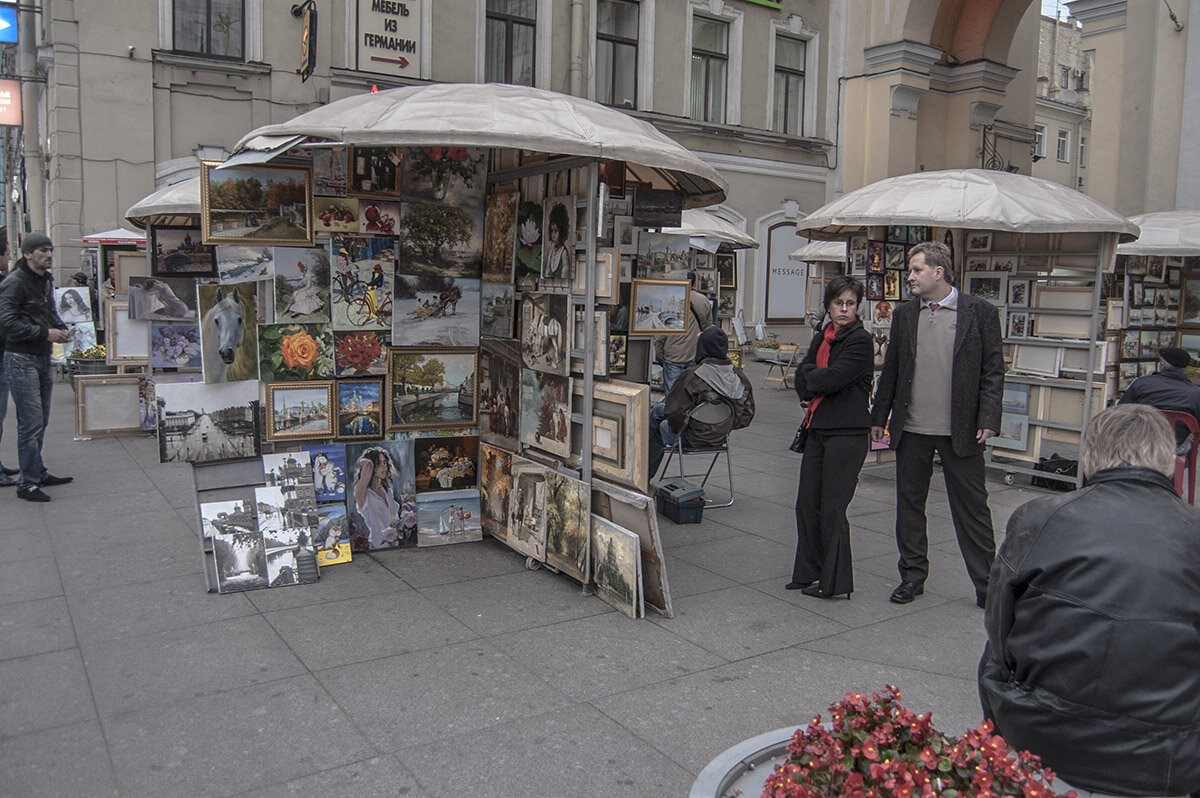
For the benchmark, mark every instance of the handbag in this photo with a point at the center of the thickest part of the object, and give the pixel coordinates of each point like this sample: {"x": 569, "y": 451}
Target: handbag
{"x": 800, "y": 439}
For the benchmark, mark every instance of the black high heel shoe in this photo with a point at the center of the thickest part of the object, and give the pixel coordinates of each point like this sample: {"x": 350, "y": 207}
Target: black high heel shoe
{"x": 799, "y": 585}
{"x": 816, "y": 592}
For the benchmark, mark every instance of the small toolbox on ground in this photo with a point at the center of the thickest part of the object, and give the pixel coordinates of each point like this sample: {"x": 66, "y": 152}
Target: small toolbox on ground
{"x": 681, "y": 501}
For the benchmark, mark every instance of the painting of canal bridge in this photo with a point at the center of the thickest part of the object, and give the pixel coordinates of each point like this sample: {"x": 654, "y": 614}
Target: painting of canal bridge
{"x": 202, "y": 423}
{"x": 432, "y": 388}
{"x": 299, "y": 410}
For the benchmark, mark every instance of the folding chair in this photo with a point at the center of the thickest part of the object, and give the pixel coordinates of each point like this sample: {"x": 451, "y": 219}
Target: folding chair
{"x": 709, "y": 413}
{"x": 786, "y": 362}
{"x": 1185, "y": 462}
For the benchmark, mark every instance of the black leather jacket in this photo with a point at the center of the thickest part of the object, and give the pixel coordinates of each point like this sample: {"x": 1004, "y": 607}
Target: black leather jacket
{"x": 1093, "y": 622}
{"x": 27, "y": 311}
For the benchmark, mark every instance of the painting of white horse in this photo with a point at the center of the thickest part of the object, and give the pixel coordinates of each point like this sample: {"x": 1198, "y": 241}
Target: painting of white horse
{"x": 228, "y": 335}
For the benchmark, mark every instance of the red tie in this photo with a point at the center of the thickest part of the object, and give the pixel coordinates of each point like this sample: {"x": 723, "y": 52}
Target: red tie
{"x": 933, "y": 306}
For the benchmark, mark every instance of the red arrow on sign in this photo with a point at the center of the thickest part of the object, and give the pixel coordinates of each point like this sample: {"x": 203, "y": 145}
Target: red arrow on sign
{"x": 402, "y": 61}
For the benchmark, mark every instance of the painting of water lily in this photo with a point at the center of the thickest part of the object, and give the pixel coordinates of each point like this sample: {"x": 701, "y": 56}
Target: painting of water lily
{"x": 528, "y": 259}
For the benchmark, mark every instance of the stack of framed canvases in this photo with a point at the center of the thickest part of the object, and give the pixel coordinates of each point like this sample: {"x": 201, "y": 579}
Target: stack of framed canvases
{"x": 365, "y": 351}
{"x": 1160, "y": 307}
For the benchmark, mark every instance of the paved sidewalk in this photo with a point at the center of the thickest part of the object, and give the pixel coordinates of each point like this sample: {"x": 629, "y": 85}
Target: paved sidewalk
{"x": 446, "y": 671}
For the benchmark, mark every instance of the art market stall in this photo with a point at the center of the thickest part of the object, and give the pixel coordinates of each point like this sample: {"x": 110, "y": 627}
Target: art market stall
{"x": 1155, "y": 300}
{"x": 1037, "y": 250}
{"x": 396, "y": 322}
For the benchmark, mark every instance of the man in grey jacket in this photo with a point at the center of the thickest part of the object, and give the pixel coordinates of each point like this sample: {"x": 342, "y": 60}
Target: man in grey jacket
{"x": 942, "y": 379}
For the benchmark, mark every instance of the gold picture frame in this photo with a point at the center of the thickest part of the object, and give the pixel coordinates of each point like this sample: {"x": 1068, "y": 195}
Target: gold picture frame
{"x": 666, "y": 302}
{"x": 260, "y": 223}
{"x": 303, "y": 428}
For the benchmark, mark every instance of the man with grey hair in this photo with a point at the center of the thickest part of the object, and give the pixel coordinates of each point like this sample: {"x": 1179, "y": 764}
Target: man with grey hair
{"x": 941, "y": 383}
{"x": 1093, "y": 660}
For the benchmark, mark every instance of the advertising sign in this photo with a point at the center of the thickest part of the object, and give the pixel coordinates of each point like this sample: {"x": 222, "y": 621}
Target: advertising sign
{"x": 8, "y": 24}
{"x": 389, "y": 37}
{"x": 10, "y": 102}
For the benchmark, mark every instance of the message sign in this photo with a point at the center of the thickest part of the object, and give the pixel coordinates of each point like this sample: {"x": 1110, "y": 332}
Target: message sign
{"x": 389, "y": 37}
{"x": 10, "y": 102}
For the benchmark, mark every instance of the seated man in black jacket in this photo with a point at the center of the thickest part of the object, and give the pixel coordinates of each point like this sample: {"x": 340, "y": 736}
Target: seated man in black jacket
{"x": 1169, "y": 388}
{"x": 713, "y": 378}
{"x": 1093, "y": 656}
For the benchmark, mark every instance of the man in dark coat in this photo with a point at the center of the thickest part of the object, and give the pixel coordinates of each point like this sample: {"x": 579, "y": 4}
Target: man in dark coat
{"x": 1092, "y": 618}
{"x": 1168, "y": 389}
{"x": 30, "y": 324}
{"x": 942, "y": 379}
{"x": 712, "y": 379}
{"x": 6, "y": 473}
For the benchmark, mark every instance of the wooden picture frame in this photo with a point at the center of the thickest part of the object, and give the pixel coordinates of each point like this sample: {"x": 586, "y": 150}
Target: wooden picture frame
{"x": 629, "y": 403}
{"x": 358, "y": 407}
{"x": 128, "y": 340}
{"x": 1037, "y": 359}
{"x": 107, "y": 404}
{"x": 1056, "y": 325}
{"x": 992, "y": 286}
{"x": 978, "y": 241}
{"x": 177, "y": 251}
{"x": 289, "y": 225}
{"x": 665, "y": 302}
{"x": 298, "y": 422}
{"x": 726, "y": 263}
{"x": 374, "y": 171}
{"x": 607, "y": 275}
{"x": 128, "y": 266}
{"x": 415, "y": 406}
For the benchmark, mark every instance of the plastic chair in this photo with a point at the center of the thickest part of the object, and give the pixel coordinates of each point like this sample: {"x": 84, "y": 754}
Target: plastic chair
{"x": 785, "y": 363}
{"x": 708, "y": 413}
{"x": 1185, "y": 462}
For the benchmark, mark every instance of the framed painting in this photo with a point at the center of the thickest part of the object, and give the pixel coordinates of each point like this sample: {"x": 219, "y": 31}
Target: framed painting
{"x": 380, "y": 501}
{"x": 256, "y": 204}
{"x": 432, "y": 388}
{"x": 545, "y": 412}
{"x": 436, "y": 310}
{"x": 897, "y": 233}
{"x": 247, "y": 263}
{"x": 544, "y": 332}
{"x": 201, "y": 423}
{"x": 128, "y": 339}
{"x": 1004, "y": 263}
{"x": 374, "y": 171}
{"x": 177, "y": 252}
{"x": 625, "y": 235}
{"x": 568, "y": 512}
{"x": 495, "y": 489}
{"x": 174, "y": 346}
{"x": 106, "y": 404}
{"x": 359, "y": 409}
{"x": 497, "y": 309}
{"x": 978, "y": 263}
{"x": 162, "y": 298}
{"x": 660, "y": 307}
{"x": 445, "y": 462}
{"x": 636, "y": 513}
{"x": 991, "y": 286}
{"x": 874, "y": 287}
{"x": 1018, "y": 293}
{"x": 299, "y": 410}
{"x": 500, "y": 236}
{"x": 335, "y": 214}
{"x": 301, "y": 284}
{"x": 454, "y": 176}
{"x": 1013, "y": 432}
{"x": 526, "y": 532}
{"x": 499, "y": 392}
{"x": 979, "y": 241}
{"x": 726, "y": 263}
{"x": 329, "y": 171}
{"x": 228, "y": 334}
{"x": 294, "y": 352}
{"x": 441, "y": 240}
{"x": 891, "y": 285}
{"x": 1015, "y": 398}
{"x": 620, "y": 448}
{"x": 894, "y": 256}
{"x": 360, "y": 353}
{"x": 128, "y": 266}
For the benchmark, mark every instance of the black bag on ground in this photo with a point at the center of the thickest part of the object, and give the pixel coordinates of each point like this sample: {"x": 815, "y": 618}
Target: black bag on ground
{"x": 1055, "y": 465}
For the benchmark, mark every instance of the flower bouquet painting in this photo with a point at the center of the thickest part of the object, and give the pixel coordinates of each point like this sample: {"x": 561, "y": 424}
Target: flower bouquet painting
{"x": 451, "y": 175}
{"x": 174, "y": 346}
{"x": 360, "y": 353}
{"x": 295, "y": 352}
{"x": 875, "y": 746}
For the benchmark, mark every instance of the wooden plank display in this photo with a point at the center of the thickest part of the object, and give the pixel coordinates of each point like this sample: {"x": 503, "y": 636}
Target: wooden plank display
{"x": 636, "y": 512}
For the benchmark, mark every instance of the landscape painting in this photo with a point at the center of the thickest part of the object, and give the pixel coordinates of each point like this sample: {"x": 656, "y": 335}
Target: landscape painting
{"x": 299, "y": 410}
{"x": 441, "y": 240}
{"x": 616, "y": 561}
{"x": 568, "y": 507}
{"x": 244, "y": 264}
{"x": 660, "y": 307}
{"x": 495, "y": 486}
{"x": 664, "y": 256}
{"x": 359, "y": 412}
{"x": 432, "y": 388}
{"x": 179, "y": 253}
{"x": 436, "y": 311}
{"x": 255, "y": 204}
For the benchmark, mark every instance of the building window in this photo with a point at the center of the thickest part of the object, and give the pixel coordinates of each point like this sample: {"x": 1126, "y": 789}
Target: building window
{"x": 1080, "y": 80}
{"x": 510, "y": 41}
{"x": 1083, "y": 151}
{"x": 1039, "y": 141}
{"x": 209, "y": 27}
{"x": 710, "y": 65}
{"x": 1064, "y": 146}
{"x": 788, "y": 113}
{"x": 617, "y": 52}
{"x": 1064, "y": 77}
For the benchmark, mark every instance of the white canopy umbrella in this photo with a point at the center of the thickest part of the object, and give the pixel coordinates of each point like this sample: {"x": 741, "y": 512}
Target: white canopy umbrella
{"x": 834, "y": 251}
{"x": 701, "y": 224}
{"x": 1166, "y": 233}
{"x": 177, "y": 204}
{"x": 497, "y": 115}
{"x": 117, "y": 237}
{"x": 968, "y": 198}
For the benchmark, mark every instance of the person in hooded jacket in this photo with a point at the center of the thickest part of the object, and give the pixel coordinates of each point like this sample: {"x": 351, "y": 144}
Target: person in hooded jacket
{"x": 712, "y": 378}
{"x": 834, "y": 385}
{"x": 1093, "y": 658}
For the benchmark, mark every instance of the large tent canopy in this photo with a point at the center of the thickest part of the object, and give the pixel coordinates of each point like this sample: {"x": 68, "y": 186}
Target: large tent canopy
{"x": 177, "y": 204}
{"x": 117, "y": 237}
{"x": 498, "y": 115}
{"x": 970, "y": 198}
{"x": 1166, "y": 233}
{"x": 702, "y": 224}
{"x": 828, "y": 251}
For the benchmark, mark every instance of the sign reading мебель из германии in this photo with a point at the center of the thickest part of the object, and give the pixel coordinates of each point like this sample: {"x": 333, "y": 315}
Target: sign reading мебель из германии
{"x": 389, "y": 37}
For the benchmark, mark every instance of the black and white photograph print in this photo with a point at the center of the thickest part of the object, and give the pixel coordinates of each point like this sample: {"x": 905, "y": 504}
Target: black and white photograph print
{"x": 74, "y": 304}
{"x": 288, "y": 521}
{"x": 286, "y": 469}
{"x": 241, "y": 562}
{"x": 201, "y": 423}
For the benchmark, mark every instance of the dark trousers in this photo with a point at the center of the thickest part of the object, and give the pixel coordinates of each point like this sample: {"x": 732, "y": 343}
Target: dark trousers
{"x": 966, "y": 490}
{"x": 828, "y": 479}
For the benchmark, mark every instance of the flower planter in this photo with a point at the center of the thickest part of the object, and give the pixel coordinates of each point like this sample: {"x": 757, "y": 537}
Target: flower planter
{"x": 763, "y": 353}
{"x": 744, "y": 767}
{"x": 91, "y": 366}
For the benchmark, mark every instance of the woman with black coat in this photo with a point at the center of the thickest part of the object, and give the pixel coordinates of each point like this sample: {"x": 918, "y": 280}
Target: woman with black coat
{"x": 834, "y": 385}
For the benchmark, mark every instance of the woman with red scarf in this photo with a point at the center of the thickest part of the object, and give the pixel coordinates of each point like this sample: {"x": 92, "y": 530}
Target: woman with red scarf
{"x": 834, "y": 385}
